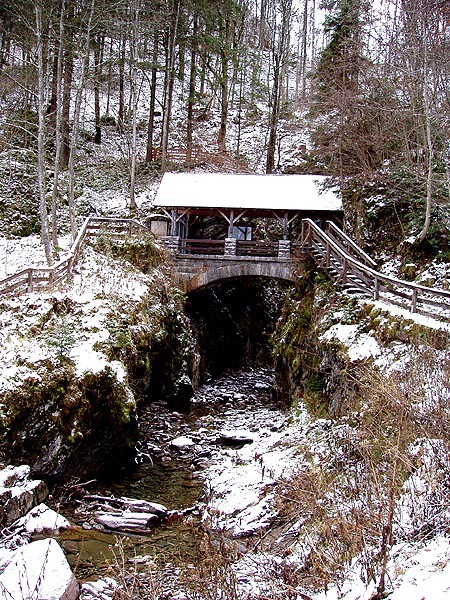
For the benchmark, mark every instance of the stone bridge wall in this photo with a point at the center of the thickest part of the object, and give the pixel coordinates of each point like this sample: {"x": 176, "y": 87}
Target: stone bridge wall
{"x": 194, "y": 272}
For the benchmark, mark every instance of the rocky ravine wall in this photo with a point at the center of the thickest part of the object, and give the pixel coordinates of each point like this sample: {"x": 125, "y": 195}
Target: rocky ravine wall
{"x": 73, "y": 411}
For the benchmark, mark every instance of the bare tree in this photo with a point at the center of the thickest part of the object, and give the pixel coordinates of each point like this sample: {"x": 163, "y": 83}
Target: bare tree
{"x": 134, "y": 97}
{"x": 281, "y": 23}
{"x": 76, "y": 116}
{"x": 169, "y": 80}
{"x": 41, "y": 77}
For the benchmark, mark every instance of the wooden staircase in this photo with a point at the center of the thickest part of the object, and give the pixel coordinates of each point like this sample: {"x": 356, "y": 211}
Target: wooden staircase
{"x": 349, "y": 266}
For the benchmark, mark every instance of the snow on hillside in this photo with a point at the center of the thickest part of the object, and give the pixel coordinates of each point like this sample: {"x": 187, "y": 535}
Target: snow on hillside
{"x": 99, "y": 288}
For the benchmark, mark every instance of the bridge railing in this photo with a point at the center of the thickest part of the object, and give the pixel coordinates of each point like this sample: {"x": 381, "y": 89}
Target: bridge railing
{"x": 35, "y": 279}
{"x": 256, "y": 248}
{"x": 229, "y": 247}
{"x": 208, "y": 247}
{"x": 347, "y": 269}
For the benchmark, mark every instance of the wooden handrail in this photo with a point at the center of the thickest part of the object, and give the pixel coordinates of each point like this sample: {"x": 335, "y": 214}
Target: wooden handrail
{"x": 349, "y": 243}
{"x": 34, "y": 278}
{"x": 313, "y": 236}
{"x": 336, "y": 250}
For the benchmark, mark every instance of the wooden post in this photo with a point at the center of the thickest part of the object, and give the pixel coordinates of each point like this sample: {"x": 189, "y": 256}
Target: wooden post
{"x": 327, "y": 262}
{"x": 376, "y": 289}
{"x": 30, "y": 281}
{"x": 231, "y": 223}
{"x": 303, "y": 232}
{"x": 344, "y": 271}
{"x": 173, "y": 223}
{"x": 414, "y": 301}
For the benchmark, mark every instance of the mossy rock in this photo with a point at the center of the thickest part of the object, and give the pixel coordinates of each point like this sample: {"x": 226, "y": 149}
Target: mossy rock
{"x": 64, "y": 425}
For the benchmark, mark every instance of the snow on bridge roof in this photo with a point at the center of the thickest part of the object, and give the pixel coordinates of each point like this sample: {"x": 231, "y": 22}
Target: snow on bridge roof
{"x": 259, "y": 192}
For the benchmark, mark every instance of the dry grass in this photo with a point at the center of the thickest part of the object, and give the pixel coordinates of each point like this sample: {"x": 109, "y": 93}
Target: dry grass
{"x": 347, "y": 499}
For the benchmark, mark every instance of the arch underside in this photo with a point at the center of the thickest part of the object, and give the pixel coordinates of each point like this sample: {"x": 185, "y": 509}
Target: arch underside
{"x": 215, "y": 274}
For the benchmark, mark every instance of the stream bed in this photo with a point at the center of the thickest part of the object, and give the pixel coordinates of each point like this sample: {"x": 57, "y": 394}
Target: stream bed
{"x": 220, "y": 460}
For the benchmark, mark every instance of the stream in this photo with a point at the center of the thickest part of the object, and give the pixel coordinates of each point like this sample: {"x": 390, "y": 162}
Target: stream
{"x": 208, "y": 459}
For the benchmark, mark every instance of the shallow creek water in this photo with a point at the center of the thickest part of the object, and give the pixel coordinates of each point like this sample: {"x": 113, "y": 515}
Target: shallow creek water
{"x": 186, "y": 462}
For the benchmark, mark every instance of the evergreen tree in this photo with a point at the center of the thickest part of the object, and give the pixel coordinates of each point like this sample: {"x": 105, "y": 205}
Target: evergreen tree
{"x": 337, "y": 88}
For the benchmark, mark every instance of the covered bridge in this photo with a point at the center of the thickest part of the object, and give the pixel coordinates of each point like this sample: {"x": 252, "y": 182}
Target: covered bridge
{"x": 212, "y": 206}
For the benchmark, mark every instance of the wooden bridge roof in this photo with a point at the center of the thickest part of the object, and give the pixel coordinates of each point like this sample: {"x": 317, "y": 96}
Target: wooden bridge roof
{"x": 203, "y": 191}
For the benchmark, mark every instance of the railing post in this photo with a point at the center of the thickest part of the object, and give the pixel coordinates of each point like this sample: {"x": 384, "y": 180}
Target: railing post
{"x": 344, "y": 271}
{"x": 230, "y": 247}
{"x": 70, "y": 267}
{"x": 376, "y": 289}
{"x": 30, "y": 281}
{"x": 284, "y": 249}
{"x": 327, "y": 261}
{"x": 172, "y": 243}
{"x": 414, "y": 301}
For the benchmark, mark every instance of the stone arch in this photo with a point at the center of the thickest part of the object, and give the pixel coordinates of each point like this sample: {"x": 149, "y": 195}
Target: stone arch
{"x": 210, "y": 275}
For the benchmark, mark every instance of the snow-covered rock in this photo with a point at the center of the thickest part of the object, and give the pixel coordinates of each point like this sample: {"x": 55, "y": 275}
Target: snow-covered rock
{"x": 127, "y": 514}
{"x": 136, "y": 522}
{"x": 102, "y": 589}
{"x": 18, "y": 493}
{"x": 42, "y": 519}
{"x": 235, "y": 437}
{"x": 182, "y": 442}
{"x": 39, "y": 570}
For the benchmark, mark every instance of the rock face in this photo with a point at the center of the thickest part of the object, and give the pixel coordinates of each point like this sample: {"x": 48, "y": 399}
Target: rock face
{"x": 18, "y": 493}
{"x": 102, "y": 589}
{"x": 39, "y": 570}
{"x": 73, "y": 425}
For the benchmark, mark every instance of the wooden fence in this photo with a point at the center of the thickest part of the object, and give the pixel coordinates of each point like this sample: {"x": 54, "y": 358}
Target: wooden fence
{"x": 39, "y": 278}
{"x": 217, "y": 161}
{"x": 353, "y": 268}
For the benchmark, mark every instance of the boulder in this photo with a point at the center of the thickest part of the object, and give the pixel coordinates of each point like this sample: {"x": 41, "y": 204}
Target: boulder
{"x": 129, "y": 515}
{"x": 102, "y": 589}
{"x": 182, "y": 442}
{"x": 39, "y": 570}
{"x": 127, "y": 521}
{"x": 18, "y": 493}
{"x": 237, "y": 437}
{"x": 41, "y": 519}
{"x": 130, "y": 504}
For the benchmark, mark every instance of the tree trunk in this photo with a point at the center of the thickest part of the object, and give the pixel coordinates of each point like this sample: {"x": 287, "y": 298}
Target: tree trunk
{"x": 58, "y": 125}
{"x": 98, "y": 56}
{"x": 191, "y": 98}
{"x": 110, "y": 70}
{"x": 134, "y": 100}
{"x": 430, "y": 152}
{"x": 76, "y": 123}
{"x": 304, "y": 48}
{"x": 41, "y": 134}
{"x": 224, "y": 32}
{"x": 121, "y": 113}
{"x": 273, "y": 122}
{"x": 169, "y": 83}
{"x": 151, "y": 119}
{"x": 67, "y": 93}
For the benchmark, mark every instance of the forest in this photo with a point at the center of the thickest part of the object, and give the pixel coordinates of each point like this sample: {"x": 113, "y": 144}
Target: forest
{"x": 366, "y": 85}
